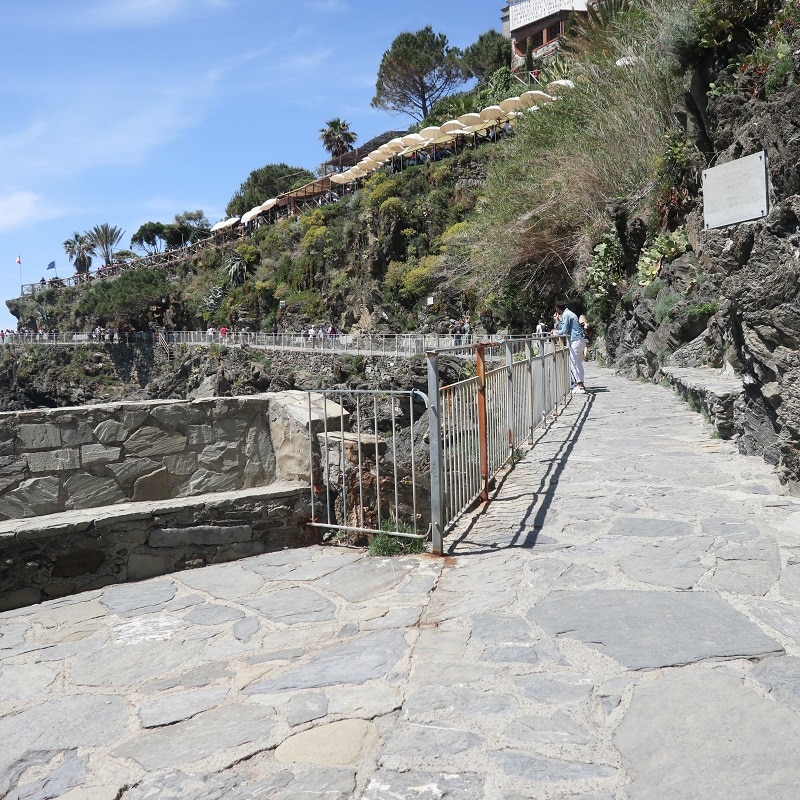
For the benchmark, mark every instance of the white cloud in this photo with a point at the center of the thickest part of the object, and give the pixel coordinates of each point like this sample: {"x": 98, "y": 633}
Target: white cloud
{"x": 19, "y": 208}
{"x": 138, "y": 13}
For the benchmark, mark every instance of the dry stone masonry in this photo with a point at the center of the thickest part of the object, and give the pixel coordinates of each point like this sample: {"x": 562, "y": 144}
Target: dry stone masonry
{"x": 65, "y": 459}
{"x": 125, "y": 491}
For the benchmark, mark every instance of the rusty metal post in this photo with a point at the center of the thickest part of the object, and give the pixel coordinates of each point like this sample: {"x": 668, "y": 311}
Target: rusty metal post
{"x": 483, "y": 444}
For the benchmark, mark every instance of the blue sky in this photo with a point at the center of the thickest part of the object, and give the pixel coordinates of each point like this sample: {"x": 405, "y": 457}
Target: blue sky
{"x": 125, "y": 111}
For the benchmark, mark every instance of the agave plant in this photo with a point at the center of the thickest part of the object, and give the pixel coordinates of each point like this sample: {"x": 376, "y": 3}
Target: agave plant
{"x": 236, "y": 269}
{"x": 213, "y": 300}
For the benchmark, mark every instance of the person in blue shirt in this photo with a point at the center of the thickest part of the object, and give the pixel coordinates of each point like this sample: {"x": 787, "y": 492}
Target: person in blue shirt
{"x": 569, "y": 326}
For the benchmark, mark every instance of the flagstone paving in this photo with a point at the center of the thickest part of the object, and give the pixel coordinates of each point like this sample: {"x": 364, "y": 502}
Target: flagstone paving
{"x": 621, "y": 621}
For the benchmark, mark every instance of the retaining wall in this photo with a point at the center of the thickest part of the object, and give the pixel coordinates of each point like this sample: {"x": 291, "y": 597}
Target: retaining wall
{"x": 105, "y": 494}
{"x": 47, "y": 557}
{"x": 73, "y": 458}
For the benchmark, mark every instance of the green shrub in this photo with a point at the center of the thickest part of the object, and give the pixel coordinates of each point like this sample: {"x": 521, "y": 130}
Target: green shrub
{"x": 381, "y": 188}
{"x": 701, "y": 309}
{"x": 652, "y": 289}
{"x": 666, "y": 248}
{"x": 384, "y": 544}
{"x": 308, "y": 302}
{"x": 664, "y": 305}
{"x": 393, "y": 208}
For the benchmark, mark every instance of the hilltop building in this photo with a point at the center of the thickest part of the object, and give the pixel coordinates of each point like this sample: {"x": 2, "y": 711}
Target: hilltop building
{"x": 541, "y": 21}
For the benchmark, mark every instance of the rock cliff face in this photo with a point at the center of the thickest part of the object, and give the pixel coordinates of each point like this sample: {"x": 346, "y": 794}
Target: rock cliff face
{"x": 738, "y": 291}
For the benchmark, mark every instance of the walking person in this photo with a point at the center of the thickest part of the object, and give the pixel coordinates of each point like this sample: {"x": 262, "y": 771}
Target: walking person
{"x": 569, "y": 326}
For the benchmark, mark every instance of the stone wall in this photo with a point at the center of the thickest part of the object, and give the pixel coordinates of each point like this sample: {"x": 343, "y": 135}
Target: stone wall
{"x": 73, "y": 458}
{"x": 710, "y": 391}
{"x": 45, "y": 558}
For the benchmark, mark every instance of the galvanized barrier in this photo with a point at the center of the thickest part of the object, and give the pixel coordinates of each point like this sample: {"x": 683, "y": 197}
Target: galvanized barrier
{"x": 364, "y": 477}
{"x": 477, "y": 424}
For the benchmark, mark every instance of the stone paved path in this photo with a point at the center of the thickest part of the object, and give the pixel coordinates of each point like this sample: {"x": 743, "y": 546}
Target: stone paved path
{"x": 622, "y": 621}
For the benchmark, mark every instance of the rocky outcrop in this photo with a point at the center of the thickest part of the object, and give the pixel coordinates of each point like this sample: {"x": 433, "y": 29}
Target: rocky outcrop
{"x": 740, "y": 310}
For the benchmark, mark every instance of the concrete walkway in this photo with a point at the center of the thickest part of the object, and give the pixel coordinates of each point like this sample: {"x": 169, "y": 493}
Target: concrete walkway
{"x": 622, "y": 621}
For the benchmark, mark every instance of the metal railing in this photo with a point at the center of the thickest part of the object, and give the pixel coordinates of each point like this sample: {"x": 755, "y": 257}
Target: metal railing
{"x": 477, "y": 424}
{"x": 366, "y": 476}
{"x": 365, "y": 480}
{"x": 371, "y": 344}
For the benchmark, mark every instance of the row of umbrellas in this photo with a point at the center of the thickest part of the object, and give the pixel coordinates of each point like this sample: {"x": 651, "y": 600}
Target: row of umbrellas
{"x": 441, "y": 135}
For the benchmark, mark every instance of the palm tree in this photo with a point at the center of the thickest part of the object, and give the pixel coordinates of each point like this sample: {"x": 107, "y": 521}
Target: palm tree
{"x": 337, "y": 138}
{"x": 80, "y": 251}
{"x": 103, "y": 239}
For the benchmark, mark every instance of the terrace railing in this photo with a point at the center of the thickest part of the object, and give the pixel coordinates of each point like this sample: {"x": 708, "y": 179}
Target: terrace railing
{"x": 477, "y": 424}
{"x": 370, "y": 474}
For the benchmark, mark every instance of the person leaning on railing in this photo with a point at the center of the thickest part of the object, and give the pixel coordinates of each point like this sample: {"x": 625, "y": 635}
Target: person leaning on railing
{"x": 567, "y": 324}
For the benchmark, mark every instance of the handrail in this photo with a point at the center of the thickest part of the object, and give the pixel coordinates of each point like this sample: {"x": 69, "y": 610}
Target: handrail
{"x": 373, "y": 344}
{"x": 477, "y": 424}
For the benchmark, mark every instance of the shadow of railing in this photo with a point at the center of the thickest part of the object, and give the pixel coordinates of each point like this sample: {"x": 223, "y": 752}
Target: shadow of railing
{"x": 527, "y": 531}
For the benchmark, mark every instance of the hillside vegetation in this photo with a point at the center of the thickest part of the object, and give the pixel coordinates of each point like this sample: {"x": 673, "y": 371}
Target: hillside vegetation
{"x": 596, "y": 196}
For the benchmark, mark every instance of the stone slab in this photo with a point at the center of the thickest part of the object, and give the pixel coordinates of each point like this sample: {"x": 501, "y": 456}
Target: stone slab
{"x": 356, "y": 662}
{"x": 700, "y": 732}
{"x": 337, "y": 744}
{"x": 201, "y": 736}
{"x": 647, "y": 630}
{"x": 178, "y": 707}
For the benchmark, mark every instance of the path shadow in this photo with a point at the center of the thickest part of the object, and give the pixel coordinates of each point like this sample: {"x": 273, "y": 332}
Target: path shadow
{"x": 527, "y": 531}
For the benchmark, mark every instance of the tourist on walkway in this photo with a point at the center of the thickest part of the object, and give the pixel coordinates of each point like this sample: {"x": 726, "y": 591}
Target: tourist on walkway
{"x": 569, "y": 326}
{"x": 586, "y": 327}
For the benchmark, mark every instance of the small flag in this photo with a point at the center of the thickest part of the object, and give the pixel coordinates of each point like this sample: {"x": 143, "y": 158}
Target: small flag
{"x": 19, "y": 260}
{"x": 51, "y": 265}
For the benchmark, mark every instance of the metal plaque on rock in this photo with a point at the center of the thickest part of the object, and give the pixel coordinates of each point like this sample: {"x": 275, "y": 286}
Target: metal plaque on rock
{"x": 736, "y": 191}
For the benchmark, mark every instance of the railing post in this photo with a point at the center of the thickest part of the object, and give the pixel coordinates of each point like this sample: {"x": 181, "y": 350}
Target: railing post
{"x": 435, "y": 437}
{"x": 510, "y": 397}
{"x": 531, "y": 399}
{"x": 483, "y": 443}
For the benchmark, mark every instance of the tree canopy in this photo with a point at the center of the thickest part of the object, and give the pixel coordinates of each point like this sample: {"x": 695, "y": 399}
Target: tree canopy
{"x": 264, "y": 183}
{"x": 129, "y": 295}
{"x": 488, "y": 54}
{"x": 149, "y": 237}
{"x": 187, "y": 228}
{"x": 337, "y": 138}
{"x": 103, "y": 239}
{"x": 79, "y": 251}
{"x": 416, "y": 71}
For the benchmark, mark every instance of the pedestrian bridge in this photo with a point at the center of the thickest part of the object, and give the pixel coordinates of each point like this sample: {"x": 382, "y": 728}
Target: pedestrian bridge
{"x": 620, "y": 620}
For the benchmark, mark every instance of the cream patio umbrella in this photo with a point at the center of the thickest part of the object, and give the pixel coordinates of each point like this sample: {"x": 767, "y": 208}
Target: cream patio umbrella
{"x": 395, "y": 144}
{"x": 412, "y": 139}
{"x": 535, "y": 96}
{"x": 469, "y": 120}
{"x": 268, "y": 204}
{"x": 430, "y": 132}
{"x": 226, "y": 223}
{"x": 510, "y": 104}
{"x": 492, "y": 113}
{"x": 250, "y": 215}
{"x": 451, "y": 126}
{"x": 562, "y": 83}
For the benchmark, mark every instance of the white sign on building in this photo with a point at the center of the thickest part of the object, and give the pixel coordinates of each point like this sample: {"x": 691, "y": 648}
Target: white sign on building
{"x": 736, "y": 191}
{"x": 523, "y": 12}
